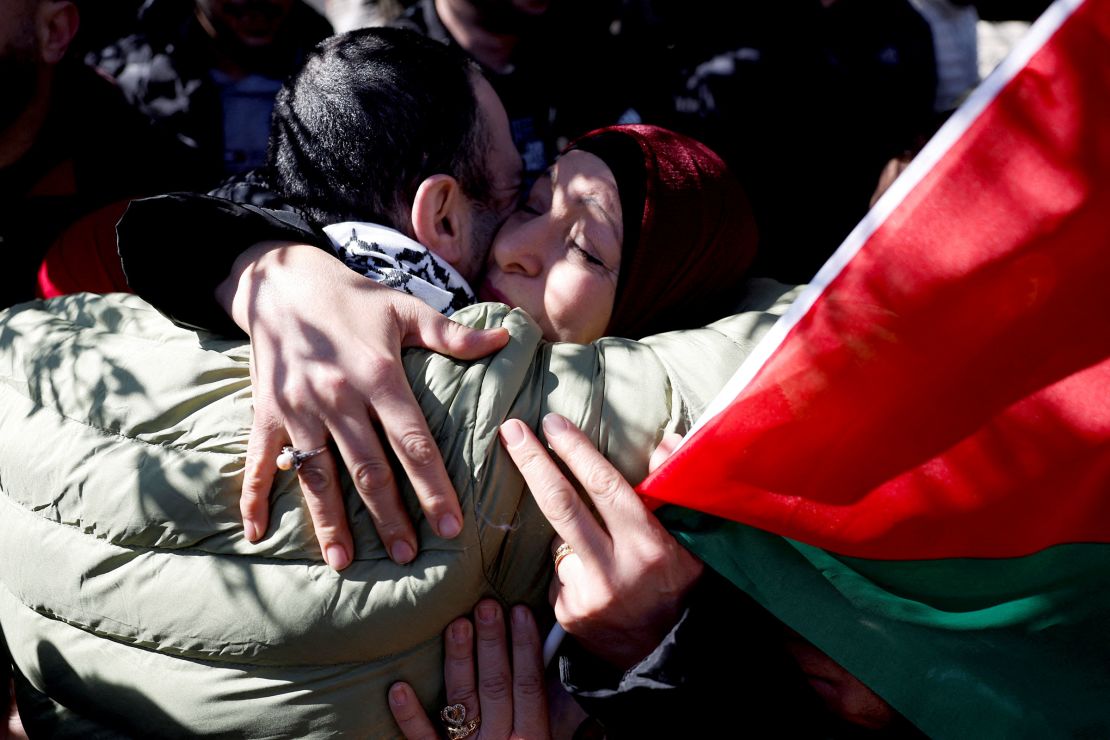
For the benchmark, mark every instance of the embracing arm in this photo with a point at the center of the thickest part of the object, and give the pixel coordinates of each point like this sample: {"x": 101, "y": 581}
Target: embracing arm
{"x": 325, "y": 357}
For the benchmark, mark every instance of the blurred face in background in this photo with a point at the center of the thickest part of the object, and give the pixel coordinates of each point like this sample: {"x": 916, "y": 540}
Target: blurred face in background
{"x": 507, "y": 16}
{"x": 251, "y": 23}
{"x": 19, "y": 58}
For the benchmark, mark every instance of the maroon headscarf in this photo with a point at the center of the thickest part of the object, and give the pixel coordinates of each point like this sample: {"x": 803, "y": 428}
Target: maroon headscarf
{"x": 694, "y": 237}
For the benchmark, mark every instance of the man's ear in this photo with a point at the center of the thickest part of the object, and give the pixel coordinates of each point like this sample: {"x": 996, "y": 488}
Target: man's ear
{"x": 57, "y": 24}
{"x": 440, "y": 217}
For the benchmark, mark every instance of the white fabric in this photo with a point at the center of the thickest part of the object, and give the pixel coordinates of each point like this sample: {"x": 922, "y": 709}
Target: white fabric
{"x": 389, "y": 257}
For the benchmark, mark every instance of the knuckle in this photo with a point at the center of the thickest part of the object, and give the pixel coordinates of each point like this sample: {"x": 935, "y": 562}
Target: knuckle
{"x": 332, "y": 387}
{"x": 418, "y": 448}
{"x": 378, "y": 368}
{"x": 529, "y": 685}
{"x": 251, "y": 496}
{"x": 655, "y": 560}
{"x": 496, "y": 685}
{"x": 315, "y": 480}
{"x": 604, "y": 482}
{"x": 293, "y": 396}
{"x": 467, "y": 694}
{"x": 561, "y": 506}
{"x": 372, "y": 475}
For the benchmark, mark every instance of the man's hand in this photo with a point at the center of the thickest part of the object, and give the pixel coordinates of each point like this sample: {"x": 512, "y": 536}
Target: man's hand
{"x": 621, "y": 590}
{"x": 326, "y": 362}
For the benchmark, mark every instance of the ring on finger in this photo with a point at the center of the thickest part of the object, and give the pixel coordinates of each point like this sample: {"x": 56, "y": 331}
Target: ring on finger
{"x": 561, "y": 552}
{"x": 454, "y": 717}
{"x": 292, "y": 459}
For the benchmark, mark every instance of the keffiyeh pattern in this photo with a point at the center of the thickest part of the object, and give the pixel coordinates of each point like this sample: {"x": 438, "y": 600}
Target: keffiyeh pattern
{"x": 389, "y": 257}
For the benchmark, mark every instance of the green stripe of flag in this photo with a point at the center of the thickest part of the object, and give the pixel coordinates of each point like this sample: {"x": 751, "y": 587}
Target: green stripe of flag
{"x": 962, "y": 647}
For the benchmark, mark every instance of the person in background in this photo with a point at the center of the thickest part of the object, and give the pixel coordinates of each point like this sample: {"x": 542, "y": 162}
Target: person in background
{"x": 72, "y": 152}
{"x": 347, "y": 15}
{"x": 208, "y": 70}
{"x": 956, "y": 48}
{"x": 517, "y": 43}
{"x": 806, "y": 101}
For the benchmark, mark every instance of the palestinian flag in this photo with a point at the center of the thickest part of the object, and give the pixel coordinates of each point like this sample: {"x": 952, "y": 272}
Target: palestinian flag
{"x": 915, "y": 464}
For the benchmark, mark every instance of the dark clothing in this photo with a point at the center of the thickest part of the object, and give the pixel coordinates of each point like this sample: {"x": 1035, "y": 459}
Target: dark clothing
{"x": 675, "y": 691}
{"x": 167, "y": 71}
{"x": 93, "y": 153}
{"x": 806, "y": 104}
{"x": 564, "y": 80}
{"x": 213, "y": 232}
{"x": 723, "y": 671}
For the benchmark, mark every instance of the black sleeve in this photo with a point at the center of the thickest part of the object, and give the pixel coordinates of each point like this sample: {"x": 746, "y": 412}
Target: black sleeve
{"x": 177, "y": 248}
{"x": 720, "y": 672}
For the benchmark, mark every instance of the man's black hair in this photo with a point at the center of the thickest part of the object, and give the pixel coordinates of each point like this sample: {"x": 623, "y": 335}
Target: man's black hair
{"x": 370, "y": 115}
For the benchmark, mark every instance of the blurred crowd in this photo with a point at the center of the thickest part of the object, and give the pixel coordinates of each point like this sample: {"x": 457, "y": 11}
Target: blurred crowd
{"x": 808, "y": 102}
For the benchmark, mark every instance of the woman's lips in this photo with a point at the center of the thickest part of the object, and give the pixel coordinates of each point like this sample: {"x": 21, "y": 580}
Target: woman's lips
{"x": 490, "y": 294}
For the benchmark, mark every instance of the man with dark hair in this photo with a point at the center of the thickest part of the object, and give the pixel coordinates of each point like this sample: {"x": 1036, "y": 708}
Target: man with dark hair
{"x": 384, "y": 125}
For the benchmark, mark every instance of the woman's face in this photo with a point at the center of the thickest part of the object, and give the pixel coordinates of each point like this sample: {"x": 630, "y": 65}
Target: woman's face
{"x": 558, "y": 256}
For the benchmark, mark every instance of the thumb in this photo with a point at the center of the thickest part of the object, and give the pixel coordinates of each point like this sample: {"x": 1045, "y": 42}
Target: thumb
{"x": 426, "y": 328}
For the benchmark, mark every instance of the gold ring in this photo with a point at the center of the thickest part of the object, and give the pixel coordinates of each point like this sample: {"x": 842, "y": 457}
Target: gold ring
{"x": 561, "y": 552}
{"x": 454, "y": 716}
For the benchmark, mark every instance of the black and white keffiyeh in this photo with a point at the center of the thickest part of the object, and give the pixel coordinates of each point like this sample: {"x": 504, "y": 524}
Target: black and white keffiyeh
{"x": 391, "y": 258}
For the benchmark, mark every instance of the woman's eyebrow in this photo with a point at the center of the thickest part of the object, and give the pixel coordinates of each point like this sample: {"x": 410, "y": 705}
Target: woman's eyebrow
{"x": 592, "y": 200}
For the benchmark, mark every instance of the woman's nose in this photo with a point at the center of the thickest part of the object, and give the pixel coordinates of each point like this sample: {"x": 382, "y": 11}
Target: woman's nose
{"x": 519, "y": 248}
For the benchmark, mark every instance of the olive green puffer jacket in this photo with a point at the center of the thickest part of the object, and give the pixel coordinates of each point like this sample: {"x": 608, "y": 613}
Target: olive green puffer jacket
{"x": 130, "y": 601}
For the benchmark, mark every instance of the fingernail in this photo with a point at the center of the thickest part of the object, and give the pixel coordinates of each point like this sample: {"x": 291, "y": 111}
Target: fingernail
{"x": 398, "y": 695}
{"x": 336, "y": 556}
{"x": 460, "y": 631}
{"x": 487, "y": 613}
{"x": 511, "y": 433}
{"x": 554, "y": 425}
{"x": 249, "y": 531}
{"x": 401, "y": 552}
{"x": 520, "y": 616}
{"x": 449, "y": 526}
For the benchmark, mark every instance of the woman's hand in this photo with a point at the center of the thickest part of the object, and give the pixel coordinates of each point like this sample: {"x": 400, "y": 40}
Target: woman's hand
{"x": 326, "y": 363}
{"x": 621, "y": 589}
{"x": 508, "y": 702}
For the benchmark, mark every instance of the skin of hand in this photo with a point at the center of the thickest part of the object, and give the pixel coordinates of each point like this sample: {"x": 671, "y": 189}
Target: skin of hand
{"x": 890, "y": 173}
{"x": 842, "y": 693}
{"x": 11, "y": 728}
{"x": 326, "y": 363}
{"x": 509, "y": 697}
{"x": 622, "y": 589}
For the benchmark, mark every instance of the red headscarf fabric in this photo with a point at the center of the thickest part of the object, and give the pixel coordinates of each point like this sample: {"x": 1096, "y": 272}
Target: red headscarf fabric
{"x": 696, "y": 240}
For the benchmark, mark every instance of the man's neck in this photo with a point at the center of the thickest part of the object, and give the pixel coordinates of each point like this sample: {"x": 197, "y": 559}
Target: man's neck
{"x": 16, "y": 140}
{"x": 493, "y": 50}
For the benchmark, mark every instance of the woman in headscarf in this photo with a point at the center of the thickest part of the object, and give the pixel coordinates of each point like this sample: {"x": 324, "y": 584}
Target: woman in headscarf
{"x": 634, "y": 230}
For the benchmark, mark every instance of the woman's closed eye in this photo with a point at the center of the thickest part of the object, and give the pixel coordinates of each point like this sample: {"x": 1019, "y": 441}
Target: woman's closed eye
{"x": 584, "y": 255}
